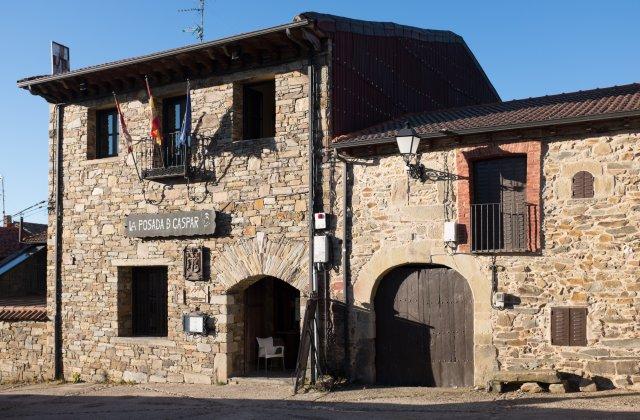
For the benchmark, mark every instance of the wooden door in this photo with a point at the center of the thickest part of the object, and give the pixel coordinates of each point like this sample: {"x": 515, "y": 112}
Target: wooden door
{"x": 499, "y": 204}
{"x": 424, "y": 328}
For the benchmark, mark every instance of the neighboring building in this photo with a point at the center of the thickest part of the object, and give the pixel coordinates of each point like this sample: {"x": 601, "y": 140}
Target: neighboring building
{"x": 27, "y": 336}
{"x": 136, "y": 232}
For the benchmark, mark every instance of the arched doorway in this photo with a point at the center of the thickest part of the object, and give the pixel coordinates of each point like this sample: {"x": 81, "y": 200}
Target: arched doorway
{"x": 271, "y": 309}
{"x": 424, "y": 327}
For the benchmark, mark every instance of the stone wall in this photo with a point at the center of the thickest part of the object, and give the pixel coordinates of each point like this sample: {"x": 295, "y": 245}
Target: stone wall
{"x": 259, "y": 189}
{"x": 588, "y": 258}
{"x": 26, "y": 351}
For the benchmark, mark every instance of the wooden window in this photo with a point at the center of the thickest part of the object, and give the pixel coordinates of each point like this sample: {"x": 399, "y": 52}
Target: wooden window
{"x": 259, "y": 110}
{"x": 106, "y": 133}
{"x": 569, "y": 326}
{"x": 582, "y": 185}
{"x": 173, "y": 151}
{"x": 149, "y": 302}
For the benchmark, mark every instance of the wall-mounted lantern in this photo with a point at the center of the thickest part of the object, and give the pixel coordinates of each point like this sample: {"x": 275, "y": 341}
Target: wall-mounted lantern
{"x": 408, "y": 142}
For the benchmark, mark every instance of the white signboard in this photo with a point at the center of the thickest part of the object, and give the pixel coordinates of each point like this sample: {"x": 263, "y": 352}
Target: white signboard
{"x": 59, "y": 58}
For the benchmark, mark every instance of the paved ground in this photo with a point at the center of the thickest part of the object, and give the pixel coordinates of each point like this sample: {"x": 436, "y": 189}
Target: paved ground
{"x": 274, "y": 401}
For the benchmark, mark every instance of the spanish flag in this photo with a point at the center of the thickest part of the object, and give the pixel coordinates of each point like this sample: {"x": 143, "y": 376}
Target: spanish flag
{"x": 156, "y": 133}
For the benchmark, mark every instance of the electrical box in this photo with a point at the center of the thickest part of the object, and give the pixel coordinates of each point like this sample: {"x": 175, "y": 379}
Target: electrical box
{"x": 499, "y": 299}
{"x": 321, "y": 249}
{"x": 320, "y": 221}
{"x": 450, "y": 232}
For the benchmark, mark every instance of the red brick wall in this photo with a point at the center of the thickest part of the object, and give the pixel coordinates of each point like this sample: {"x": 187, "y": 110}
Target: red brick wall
{"x": 464, "y": 159}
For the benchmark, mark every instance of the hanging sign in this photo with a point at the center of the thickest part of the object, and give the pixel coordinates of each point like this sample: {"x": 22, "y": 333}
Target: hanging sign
{"x": 183, "y": 223}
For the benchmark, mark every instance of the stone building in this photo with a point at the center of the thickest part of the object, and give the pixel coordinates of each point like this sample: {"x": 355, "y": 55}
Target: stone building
{"x": 422, "y": 287}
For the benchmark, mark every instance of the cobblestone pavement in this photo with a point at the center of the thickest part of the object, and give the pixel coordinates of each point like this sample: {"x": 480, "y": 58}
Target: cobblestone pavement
{"x": 268, "y": 400}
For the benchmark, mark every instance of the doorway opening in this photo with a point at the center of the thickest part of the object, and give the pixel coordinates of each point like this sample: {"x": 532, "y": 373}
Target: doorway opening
{"x": 272, "y": 309}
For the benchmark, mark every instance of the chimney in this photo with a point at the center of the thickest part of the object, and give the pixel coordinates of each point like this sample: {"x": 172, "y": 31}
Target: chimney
{"x": 7, "y": 221}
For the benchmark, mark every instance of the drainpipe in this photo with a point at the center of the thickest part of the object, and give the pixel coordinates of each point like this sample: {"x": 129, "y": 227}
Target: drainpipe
{"x": 57, "y": 320}
{"x": 344, "y": 263}
{"x": 311, "y": 208}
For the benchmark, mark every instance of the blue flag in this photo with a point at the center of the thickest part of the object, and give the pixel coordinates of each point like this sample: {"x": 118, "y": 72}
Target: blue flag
{"x": 185, "y": 131}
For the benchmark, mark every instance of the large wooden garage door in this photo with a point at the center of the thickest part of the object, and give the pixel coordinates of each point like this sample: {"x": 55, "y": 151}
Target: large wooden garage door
{"x": 424, "y": 328}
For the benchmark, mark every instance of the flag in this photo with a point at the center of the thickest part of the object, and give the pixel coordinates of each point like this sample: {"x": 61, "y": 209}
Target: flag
{"x": 123, "y": 127}
{"x": 156, "y": 134}
{"x": 185, "y": 130}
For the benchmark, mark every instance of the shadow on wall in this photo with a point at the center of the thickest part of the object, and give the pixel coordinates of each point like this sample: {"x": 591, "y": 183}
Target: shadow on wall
{"x": 124, "y": 405}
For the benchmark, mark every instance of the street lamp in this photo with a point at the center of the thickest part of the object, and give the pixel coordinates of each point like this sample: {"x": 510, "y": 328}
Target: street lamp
{"x": 408, "y": 142}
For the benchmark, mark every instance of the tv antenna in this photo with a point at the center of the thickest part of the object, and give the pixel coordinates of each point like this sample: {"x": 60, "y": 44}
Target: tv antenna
{"x": 196, "y": 30}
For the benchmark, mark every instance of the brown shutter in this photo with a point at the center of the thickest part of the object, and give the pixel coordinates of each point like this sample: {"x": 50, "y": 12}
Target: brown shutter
{"x": 582, "y": 185}
{"x": 578, "y": 331}
{"x": 560, "y": 326}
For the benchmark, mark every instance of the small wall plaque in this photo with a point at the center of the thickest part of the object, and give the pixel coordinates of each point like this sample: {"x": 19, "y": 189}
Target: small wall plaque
{"x": 194, "y": 263}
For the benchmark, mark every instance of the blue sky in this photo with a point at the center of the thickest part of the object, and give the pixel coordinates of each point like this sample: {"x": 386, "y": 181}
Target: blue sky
{"x": 527, "y": 48}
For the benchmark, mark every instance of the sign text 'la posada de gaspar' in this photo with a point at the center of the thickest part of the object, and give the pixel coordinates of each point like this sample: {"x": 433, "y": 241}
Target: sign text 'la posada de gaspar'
{"x": 184, "y": 223}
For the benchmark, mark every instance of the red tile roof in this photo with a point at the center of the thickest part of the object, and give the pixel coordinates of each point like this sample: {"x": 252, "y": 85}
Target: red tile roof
{"x": 27, "y": 308}
{"x": 596, "y": 104}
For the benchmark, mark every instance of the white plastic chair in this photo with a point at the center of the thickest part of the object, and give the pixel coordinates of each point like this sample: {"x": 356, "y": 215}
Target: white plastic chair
{"x": 267, "y": 350}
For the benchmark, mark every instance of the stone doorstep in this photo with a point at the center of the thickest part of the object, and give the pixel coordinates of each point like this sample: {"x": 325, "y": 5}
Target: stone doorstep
{"x": 261, "y": 380}
{"x": 522, "y": 376}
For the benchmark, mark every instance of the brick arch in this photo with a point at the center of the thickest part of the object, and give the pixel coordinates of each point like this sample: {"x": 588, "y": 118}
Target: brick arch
{"x": 242, "y": 264}
{"x": 432, "y": 252}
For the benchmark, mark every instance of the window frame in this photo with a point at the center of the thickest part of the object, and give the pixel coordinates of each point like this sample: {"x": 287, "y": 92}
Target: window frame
{"x": 103, "y": 139}
{"x": 261, "y": 133}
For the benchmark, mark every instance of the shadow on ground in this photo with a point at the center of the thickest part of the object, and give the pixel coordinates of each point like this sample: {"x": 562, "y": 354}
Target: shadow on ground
{"x": 167, "y": 402}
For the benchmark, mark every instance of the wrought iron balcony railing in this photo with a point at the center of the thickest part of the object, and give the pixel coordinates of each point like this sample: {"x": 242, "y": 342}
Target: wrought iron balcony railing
{"x": 169, "y": 159}
{"x": 496, "y": 227}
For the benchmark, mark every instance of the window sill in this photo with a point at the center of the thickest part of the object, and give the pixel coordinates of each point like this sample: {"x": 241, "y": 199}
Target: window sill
{"x": 253, "y": 140}
{"x": 97, "y": 161}
{"x": 144, "y": 341}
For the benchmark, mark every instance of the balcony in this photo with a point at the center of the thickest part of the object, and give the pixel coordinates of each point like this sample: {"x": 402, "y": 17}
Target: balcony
{"x": 171, "y": 159}
{"x": 502, "y": 228}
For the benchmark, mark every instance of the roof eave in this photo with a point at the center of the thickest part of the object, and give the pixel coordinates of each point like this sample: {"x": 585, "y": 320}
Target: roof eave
{"x": 162, "y": 54}
{"x": 348, "y": 144}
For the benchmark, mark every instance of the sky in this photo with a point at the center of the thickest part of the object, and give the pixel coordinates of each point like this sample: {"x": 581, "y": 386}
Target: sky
{"x": 527, "y": 48}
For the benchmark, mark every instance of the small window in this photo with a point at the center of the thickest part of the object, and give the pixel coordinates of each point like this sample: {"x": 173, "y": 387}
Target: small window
{"x": 582, "y": 185}
{"x": 106, "y": 133}
{"x": 259, "y": 110}
{"x": 569, "y": 326}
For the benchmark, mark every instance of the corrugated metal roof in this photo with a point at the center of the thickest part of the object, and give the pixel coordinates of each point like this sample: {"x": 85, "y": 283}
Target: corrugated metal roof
{"x": 595, "y": 104}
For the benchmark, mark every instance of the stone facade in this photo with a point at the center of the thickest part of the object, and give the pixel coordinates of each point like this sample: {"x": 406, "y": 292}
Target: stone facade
{"x": 26, "y": 351}
{"x": 588, "y": 255}
{"x": 259, "y": 190}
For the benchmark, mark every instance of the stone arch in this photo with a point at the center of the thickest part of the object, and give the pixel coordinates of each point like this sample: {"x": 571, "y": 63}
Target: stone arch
{"x": 241, "y": 264}
{"x": 432, "y": 252}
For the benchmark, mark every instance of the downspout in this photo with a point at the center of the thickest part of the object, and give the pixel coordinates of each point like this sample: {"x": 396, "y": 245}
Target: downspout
{"x": 344, "y": 263}
{"x": 311, "y": 208}
{"x": 57, "y": 320}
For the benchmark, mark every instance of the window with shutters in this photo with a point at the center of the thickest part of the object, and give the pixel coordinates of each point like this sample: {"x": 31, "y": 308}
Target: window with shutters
{"x": 582, "y": 185}
{"x": 499, "y": 213}
{"x": 569, "y": 326}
